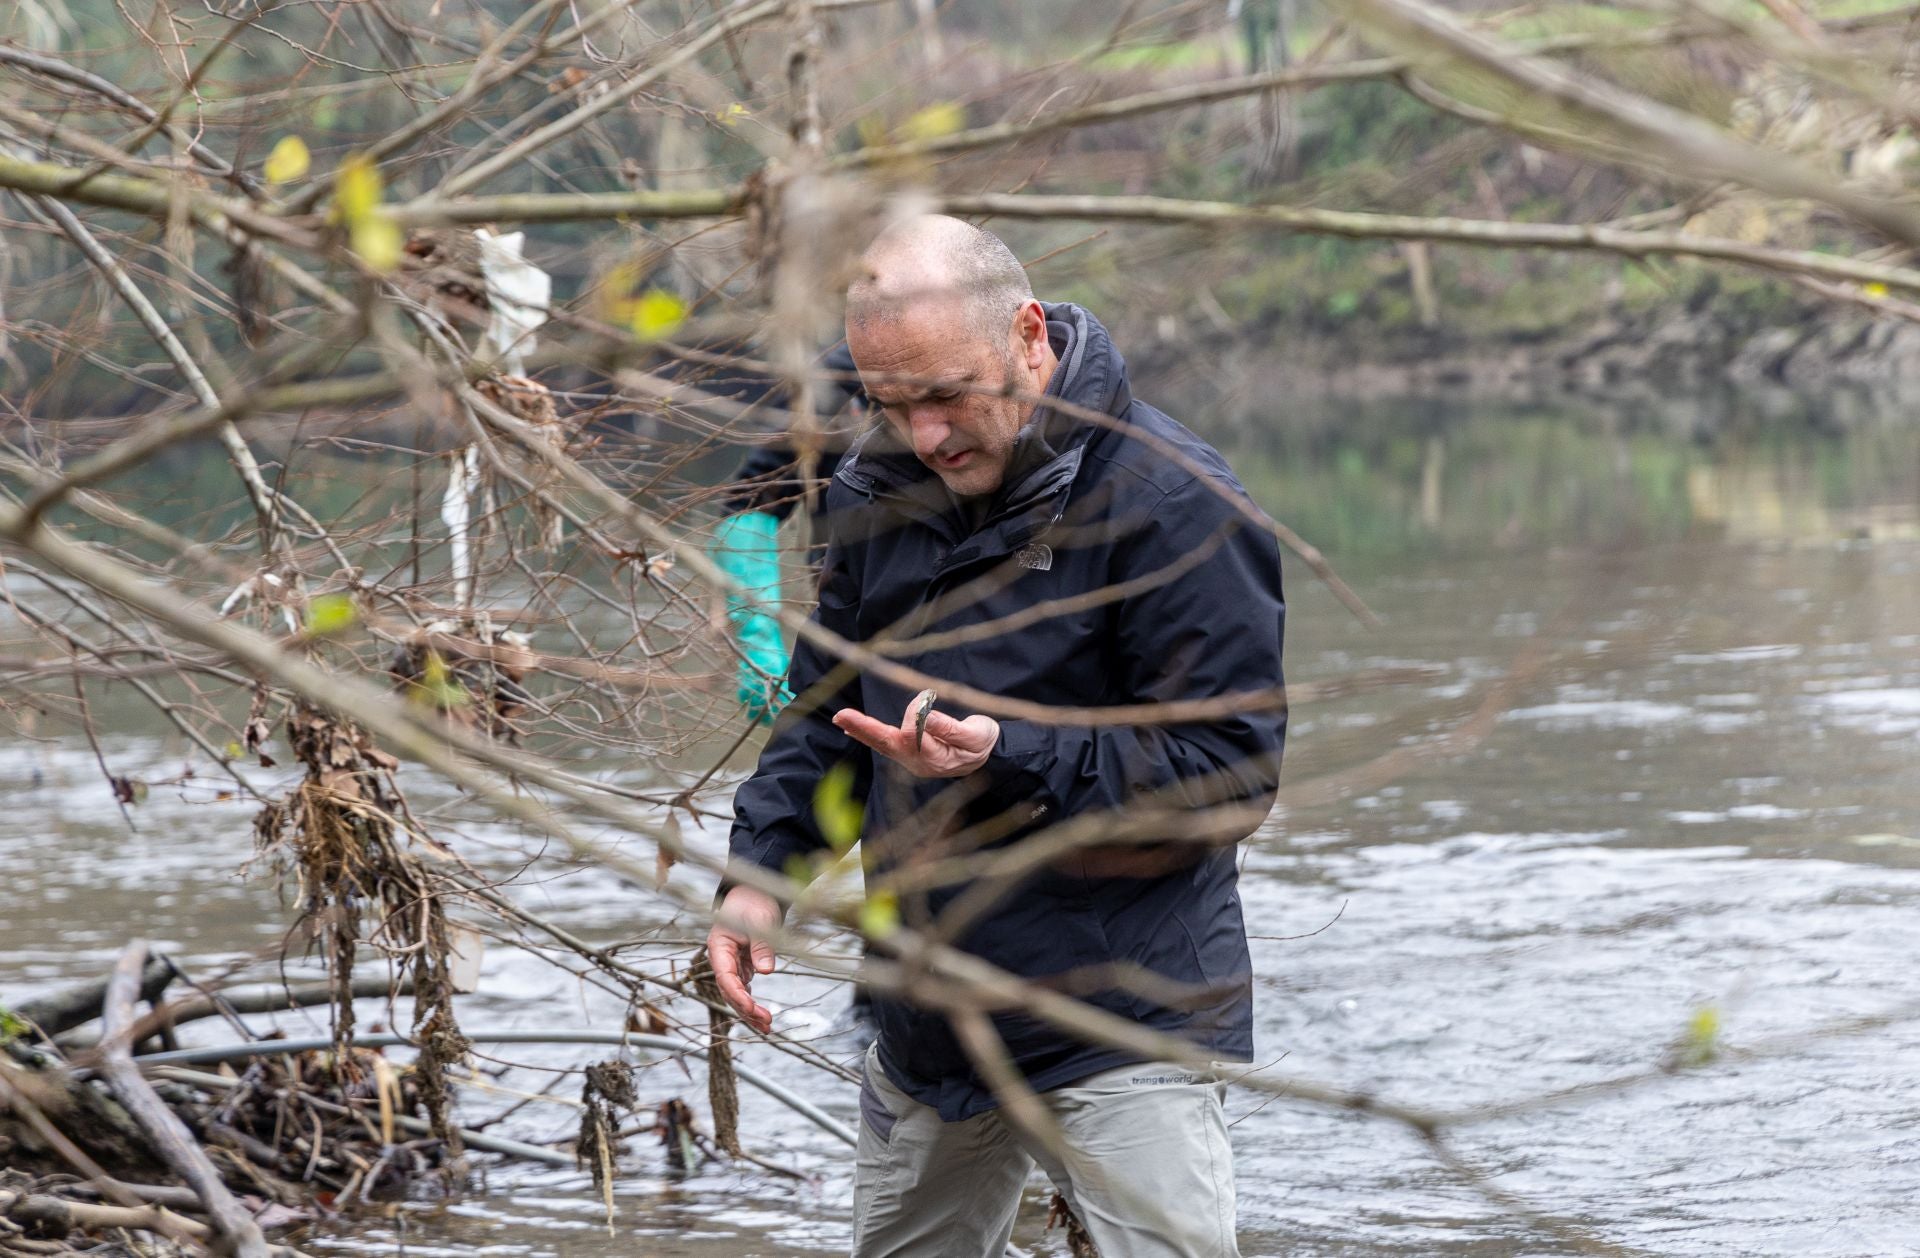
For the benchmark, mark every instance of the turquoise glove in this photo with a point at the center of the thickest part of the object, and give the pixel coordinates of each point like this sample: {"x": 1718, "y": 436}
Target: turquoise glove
{"x": 743, "y": 547}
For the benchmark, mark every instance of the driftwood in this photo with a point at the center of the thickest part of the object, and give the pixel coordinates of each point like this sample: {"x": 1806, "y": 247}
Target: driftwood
{"x": 265, "y": 1000}
{"x": 174, "y": 1198}
{"x": 33, "y": 1098}
{"x": 46, "y": 1215}
{"x": 62, "y": 1011}
{"x": 234, "y": 1230}
{"x": 46, "y": 1218}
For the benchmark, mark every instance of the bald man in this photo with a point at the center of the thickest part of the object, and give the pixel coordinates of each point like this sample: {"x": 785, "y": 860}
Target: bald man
{"x": 1078, "y": 552}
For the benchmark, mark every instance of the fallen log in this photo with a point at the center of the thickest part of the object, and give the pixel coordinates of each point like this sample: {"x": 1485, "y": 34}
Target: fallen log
{"x": 234, "y": 1230}
{"x": 32, "y": 1099}
{"x": 263, "y": 1000}
{"x": 56, "y": 1217}
{"x": 174, "y": 1198}
{"x": 62, "y": 1011}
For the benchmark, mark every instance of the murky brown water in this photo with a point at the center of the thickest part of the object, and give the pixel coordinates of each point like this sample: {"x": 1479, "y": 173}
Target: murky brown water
{"x": 1709, "y": 795}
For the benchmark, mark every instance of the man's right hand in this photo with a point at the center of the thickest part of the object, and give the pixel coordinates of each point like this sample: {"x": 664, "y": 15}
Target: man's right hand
{"x": 736, "y": 957}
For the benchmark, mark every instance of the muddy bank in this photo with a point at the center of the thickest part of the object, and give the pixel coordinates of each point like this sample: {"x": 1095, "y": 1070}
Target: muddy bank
{"x": 1822, "y": 365}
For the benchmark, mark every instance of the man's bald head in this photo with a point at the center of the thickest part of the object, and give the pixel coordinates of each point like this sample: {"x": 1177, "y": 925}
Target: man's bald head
{"x": 946, "y": 335}
{"x": 937, "y": 259}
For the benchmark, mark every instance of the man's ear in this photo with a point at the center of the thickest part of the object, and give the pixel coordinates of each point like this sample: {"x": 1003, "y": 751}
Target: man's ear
{"x": 1030, "y": 331}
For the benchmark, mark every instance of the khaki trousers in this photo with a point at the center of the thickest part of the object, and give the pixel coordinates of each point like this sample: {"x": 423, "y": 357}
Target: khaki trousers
{"x": 1144, "y": 1163}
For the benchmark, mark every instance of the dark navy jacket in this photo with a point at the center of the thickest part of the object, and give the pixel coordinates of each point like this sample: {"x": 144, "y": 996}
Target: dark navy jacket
{"x": 1142, "y": 509}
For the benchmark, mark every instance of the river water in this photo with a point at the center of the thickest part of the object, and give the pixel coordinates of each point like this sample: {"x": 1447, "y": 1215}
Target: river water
{"x": 1702, "y": 793}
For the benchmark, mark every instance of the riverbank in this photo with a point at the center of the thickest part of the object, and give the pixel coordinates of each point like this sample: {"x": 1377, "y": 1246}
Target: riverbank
{"x": 1550, "y": 328}
{"x": 1653, "y": 353}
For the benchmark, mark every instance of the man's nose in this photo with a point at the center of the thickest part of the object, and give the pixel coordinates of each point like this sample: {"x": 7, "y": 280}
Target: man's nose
{"x": 930, "y": 427}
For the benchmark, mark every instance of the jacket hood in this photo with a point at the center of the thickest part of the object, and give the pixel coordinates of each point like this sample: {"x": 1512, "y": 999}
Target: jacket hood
{"x": 1091, "y": 373}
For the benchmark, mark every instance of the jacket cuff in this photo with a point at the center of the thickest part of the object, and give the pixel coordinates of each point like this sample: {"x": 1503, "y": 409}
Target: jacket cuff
{"x": 773, "y": 857}
{"x": 1021, "y": 763}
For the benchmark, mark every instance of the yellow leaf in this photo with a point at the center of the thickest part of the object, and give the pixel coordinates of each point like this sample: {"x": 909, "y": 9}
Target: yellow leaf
{"x": 657, "y": 313}
{"x": 1701, "y": 1043}
{"x": 613, "y": 298}
{"x": 356, "y": 189}
{"x": 329, "y": 613}
{"x": 649, "y": 315}
{"x": 438, "y": 687}
{"x": 880, "y": 915}
{"x": 356, "y": 202}
{"x": 377, "y": 239}
{"x": 934, "y": 121}
{"x": 616, "y": 290}
{"x": 288, "y": 161}
{"x": 234, "y": 751}
{"x": 1875, "y": 290}
{"x": 735, "y": 114}
{"x": 835, "y": 810}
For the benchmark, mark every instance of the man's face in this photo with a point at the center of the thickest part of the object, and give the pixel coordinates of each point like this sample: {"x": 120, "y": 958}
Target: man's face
{"x": 951, "y": 414}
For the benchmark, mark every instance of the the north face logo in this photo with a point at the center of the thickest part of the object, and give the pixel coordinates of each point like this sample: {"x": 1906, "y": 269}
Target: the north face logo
{"x": 1036, "y": 556}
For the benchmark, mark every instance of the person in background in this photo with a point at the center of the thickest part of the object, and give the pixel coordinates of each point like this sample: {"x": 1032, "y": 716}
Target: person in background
{"x": 762, "y": 493}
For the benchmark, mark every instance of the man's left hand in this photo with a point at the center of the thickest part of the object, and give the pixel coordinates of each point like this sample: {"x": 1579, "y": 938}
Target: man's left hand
{"x": 950, "y": 748}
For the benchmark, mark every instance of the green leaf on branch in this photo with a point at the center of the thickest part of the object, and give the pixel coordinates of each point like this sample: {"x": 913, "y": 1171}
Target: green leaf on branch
{"x": 438, "y": 687}
{"x": 1701, "y": 1043}
{"x": 649, "y": 315}
{"x": 880, "y": 915}
{"x": 835, "y": 810}
{"x": 288, "y": 161}
{"x": 656, "y": 313}
{"x": 371, "y": 231}
{"x": 934, "y": 121}
{"x": 330, "y": 614}
{"x": 378, "y": 241}
{"x": 357, "y": 189}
